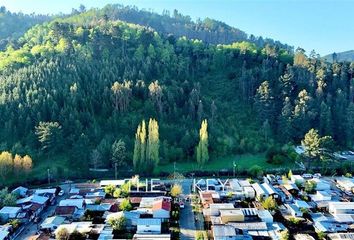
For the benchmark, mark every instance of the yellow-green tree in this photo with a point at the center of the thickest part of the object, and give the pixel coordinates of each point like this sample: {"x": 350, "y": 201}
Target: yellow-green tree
{"x": 6, "y": 164}
{"x": 202, "y": 148}
{"x": 176, "y": 190}
{"x": 153, "y": 143}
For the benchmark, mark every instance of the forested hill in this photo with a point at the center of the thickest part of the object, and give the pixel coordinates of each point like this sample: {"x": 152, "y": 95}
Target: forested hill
{"x": 208, "y": 30}
{"x": 14, "y": 25}
{"x": 347, "y": 56}
{"x": 74, "y": 89}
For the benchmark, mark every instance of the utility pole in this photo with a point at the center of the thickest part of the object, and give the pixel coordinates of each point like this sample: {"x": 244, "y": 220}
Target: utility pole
{"x": 48, "y": 172}
{"x": 174, "y": 171}
{"x": 115, "y": 170}
{"x": 234, "y": 168}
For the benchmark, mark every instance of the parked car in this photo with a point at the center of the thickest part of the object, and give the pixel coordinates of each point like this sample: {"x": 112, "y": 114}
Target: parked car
{"x": 61, "y": 193}
{"x": 317, "y": 175}
{"x": 181, "y": 205}
{"x": 307, "y": 175}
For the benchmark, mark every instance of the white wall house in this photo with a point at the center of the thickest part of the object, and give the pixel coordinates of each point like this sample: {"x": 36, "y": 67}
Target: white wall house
{"x": 341, "y": 207}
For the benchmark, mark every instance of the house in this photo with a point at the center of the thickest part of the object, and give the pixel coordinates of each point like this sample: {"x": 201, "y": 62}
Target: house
{"x": 33, "y": 199}
{"x": 65, "y": 211}
{"x": 249, "y": 192}
{"x": 321, "y": 184}
{"x": 81, "y": 227}
{"x": 321, "y": 196}
{"x": 302, "y": 204}
{"x": 330, "y": 227}
{"x": 148, "y": 225}
{"x": 20, "y": 191}
{"x": 223, "y": 232}
{"x": 265, "y": 216}
{"x": 96, "y": 195}
{"x": 216, "y": 207}
{"x": 347, "y": 184}
{"x": 161, "y": 208}
{"x": 7, "y": 213}
{"x": 147, "y": 202}
{"x": 303, "y": 237}
{"x": 261, "y": 193}
{"x": 340, "y": 236}
{"x": 131, "y": 217}
{"x": 293, "y": 210}
{"x": 284, "y": 195}
{"x": 151, "y": 237}
{"x": 79, "y": 203}
{"x": 45, "y": 191}
{"x": 292, "y": 188}
{"x": 206, "y": 198}
{"x": 269, "y": 189}
{"x": 36, "y": 209}
{"x": 117, "y": 183}
{"x": 52, "y": 223}
{"x": 231, "y": 215}
{"x": 4, "y": 234}
{"x": 341, "y": 207}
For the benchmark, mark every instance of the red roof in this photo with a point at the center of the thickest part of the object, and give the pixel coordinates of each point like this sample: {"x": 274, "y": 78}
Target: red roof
{"x": 135, "y": 200}
{"x": 35, "y": 206}
{"x": 65, "y": 210}
{"x": 164, "y": 204}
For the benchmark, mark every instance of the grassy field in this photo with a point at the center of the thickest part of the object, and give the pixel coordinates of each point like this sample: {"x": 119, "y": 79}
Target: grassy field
{"x": 243, "y": 162}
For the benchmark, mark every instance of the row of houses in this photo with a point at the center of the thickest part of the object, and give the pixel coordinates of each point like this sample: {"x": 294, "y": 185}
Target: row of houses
{"x": 329, "y": 207}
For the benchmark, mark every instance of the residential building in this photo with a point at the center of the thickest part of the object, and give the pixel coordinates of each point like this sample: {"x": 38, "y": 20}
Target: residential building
{"x": 341, "y": 207}
{"x": 52, "y": 223}
{"x": 148, "y": 225}
{"x": 7, "y": 213}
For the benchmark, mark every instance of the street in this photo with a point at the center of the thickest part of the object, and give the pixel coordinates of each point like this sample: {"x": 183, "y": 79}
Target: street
{"x": 187, "y": 224}
{"x": 31, "y": 228}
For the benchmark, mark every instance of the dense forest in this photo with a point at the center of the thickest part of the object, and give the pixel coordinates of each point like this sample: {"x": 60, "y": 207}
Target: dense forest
{"x": 79, "y": 86}
{"x": 14, "y": 25}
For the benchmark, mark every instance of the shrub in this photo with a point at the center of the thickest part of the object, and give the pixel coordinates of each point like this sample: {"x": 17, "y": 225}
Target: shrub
{"x": 125, "y": 205}
{"x": 256, "y": 171}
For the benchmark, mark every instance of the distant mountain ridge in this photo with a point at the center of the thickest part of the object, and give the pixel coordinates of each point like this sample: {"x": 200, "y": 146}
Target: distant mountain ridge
{"x": 347, "y": 56}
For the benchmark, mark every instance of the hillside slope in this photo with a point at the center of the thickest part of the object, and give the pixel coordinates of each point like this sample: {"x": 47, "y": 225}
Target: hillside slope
{"x": 347, "y": 56}
{"x": 76, "y": 85}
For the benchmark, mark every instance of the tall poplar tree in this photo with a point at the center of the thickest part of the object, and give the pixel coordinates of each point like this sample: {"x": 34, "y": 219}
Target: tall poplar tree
{"x": 202, "y": 148}
{"x": 153, "y": 144}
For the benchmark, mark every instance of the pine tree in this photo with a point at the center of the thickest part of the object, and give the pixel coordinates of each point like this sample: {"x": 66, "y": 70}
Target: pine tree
{"x": 202, "y": 148}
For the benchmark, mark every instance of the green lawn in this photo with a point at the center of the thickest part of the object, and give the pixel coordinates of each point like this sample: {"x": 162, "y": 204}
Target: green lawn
{"x": 243, "y": 162}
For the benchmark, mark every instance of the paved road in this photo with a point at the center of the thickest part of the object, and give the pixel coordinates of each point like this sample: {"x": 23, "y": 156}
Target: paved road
{"x": 187, "y": 224}
{"x": 31, "y": 228}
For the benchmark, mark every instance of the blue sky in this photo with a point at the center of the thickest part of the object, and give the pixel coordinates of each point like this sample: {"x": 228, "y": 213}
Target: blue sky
{"x": 324, "y": 25}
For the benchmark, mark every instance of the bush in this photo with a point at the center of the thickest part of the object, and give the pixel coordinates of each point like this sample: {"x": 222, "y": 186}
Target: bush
{"x": 256, "y": 171}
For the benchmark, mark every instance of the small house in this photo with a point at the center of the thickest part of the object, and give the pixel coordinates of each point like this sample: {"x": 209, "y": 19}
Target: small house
{"x": 148, "y": 225}
{"x": 161, "y": 208}
{"x": 265, "y": 216}
{"x": 231, "y": 215}
{"x": 79, "y": 203}
{"x": 341, "y": 207}
{"x": 52, "y": 223}
{"x": 66, "y": 211}
{"x": 294, "y": 210}
{"x": 261, "y": 193}
{"x": 20, "y": 191}
{"x": 7, "y": 213}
